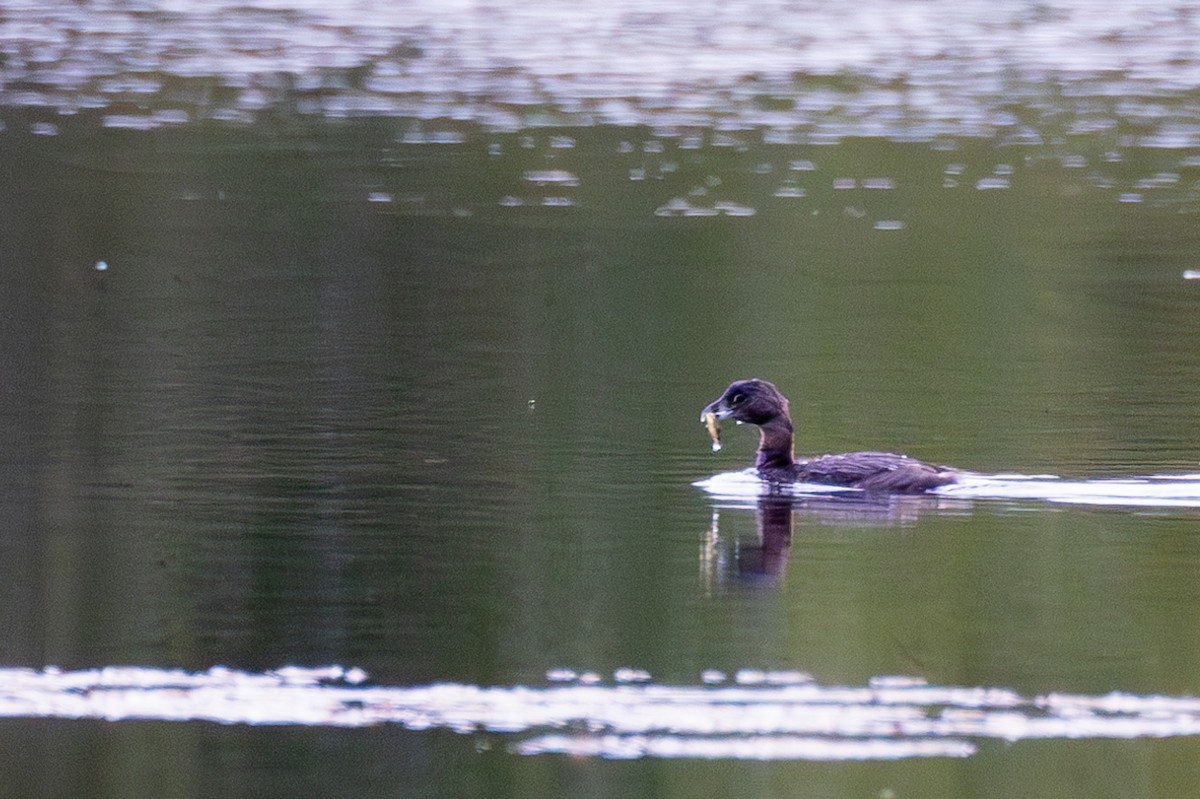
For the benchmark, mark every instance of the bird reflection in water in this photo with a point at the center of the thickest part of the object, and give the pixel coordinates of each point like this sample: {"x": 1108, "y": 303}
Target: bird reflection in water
{"x": 765, "y": 561}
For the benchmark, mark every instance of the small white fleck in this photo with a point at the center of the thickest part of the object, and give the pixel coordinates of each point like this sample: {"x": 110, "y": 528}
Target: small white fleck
{"x": 101, "y": 266}
{"x": 750, "y": 677}
{"x": 878, "y": 183}
{"x": 625, "y": 675}
{"x": 733, "y": 209}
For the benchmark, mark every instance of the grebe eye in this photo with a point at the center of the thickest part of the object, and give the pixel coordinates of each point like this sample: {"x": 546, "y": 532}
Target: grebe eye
{"x": 737, "y": 399}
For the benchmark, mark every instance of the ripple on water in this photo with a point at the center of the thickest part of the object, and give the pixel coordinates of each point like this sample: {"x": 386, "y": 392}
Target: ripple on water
{"x": 622, "y": 66}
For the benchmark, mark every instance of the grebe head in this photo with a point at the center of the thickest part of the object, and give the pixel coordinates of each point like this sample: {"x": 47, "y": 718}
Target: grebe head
{"x": 751, "y": 401}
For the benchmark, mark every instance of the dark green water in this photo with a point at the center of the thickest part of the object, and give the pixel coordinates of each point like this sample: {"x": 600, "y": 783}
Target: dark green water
{"x": 430, "y": 411}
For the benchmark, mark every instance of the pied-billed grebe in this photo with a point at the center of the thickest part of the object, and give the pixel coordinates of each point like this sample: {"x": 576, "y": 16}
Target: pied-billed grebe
{"x": 759, "y": 403}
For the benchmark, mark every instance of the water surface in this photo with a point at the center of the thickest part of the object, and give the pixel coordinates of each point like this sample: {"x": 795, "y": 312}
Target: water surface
{"x": 429, "y": 410}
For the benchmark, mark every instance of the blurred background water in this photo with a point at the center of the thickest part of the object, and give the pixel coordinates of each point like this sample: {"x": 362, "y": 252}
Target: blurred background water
{"x": 338, "y": 335}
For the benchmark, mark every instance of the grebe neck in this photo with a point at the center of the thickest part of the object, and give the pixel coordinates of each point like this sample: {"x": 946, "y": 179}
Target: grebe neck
{"x": 775, "y": 444}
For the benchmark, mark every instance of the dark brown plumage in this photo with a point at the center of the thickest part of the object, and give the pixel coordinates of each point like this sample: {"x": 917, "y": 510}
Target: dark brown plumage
{"x": 759, "y": 403}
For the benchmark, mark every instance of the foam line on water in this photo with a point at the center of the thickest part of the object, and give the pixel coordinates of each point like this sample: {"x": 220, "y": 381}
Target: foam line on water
{"x": 748, "y": 715}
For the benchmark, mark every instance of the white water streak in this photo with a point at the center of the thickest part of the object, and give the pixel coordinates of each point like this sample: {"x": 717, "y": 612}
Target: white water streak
{"x": 1182, "y": 490}
{"x": 752, "y": 717}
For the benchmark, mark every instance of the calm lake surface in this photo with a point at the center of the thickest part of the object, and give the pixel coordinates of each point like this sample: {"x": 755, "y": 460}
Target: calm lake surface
{"x": 430, "y": 410}
{"x": 420, "y": 397}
